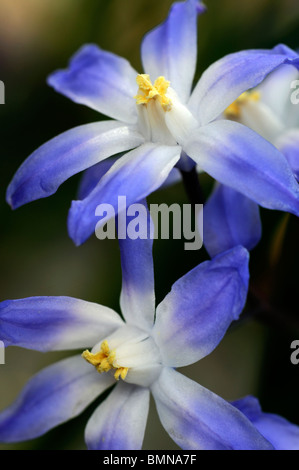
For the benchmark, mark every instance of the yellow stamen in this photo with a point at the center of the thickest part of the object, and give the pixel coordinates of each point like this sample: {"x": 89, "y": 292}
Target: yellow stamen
{"x": 234, "y": 110}
{"x": 104, "y": 360}
{"x": 148, "y": 91}
{"x": 122, "y": 372}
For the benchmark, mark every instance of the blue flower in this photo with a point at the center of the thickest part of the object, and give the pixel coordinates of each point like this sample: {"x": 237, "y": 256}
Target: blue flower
{"x": 271, "y": 109}
{"x": 282, "y": 434}
{"x": 162, "y": 121}
{"x": 137, "y": 355}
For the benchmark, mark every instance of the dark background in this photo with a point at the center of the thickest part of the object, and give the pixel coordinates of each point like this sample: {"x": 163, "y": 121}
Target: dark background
{"x": 38, "y": 258}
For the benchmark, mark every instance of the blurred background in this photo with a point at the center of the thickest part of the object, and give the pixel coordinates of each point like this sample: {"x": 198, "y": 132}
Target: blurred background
{"x": 38, "y": 258}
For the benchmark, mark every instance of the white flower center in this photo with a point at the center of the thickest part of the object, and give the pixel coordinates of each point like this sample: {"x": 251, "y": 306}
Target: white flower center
{"x": 249, "y": 110}
{"x": 130, "y": 353}
{"x": 162, "y": 117}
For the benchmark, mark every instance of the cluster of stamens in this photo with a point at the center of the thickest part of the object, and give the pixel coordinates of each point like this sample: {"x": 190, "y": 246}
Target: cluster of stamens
{"x": 148, "y": 91}
{"x": 104, "y": 360}
{"x": 234, "y": 110}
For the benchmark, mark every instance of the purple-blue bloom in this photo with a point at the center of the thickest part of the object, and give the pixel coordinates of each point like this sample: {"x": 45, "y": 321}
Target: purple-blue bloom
{"x": 158, "y": 120}
{"x": 138, "y": 355}
{"x": 270, "y": 109}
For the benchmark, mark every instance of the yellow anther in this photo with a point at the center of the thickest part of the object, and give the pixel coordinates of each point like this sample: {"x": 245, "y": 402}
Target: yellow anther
{"x": 234, "y": 110}
{"x": 148, "y": 91}
{"x": 104, "y": 365}
{"x": 121, "y": 372}
{"x": 94, "y": 359}
{"x": 105, "y": 347}
{"x": 104, "y": 360}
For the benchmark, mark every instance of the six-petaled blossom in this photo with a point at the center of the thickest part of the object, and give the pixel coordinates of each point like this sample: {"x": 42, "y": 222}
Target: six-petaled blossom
{"x": 272, "y": 110}
{"x": 163, "y": 123}
{"x": 138, "y": 355}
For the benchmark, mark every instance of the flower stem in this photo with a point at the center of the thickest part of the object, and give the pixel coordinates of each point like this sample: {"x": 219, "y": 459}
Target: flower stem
{"x": 192, "y": 186}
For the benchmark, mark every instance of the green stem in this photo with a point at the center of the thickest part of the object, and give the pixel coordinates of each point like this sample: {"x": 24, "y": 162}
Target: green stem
{"x": 192, "y": 186}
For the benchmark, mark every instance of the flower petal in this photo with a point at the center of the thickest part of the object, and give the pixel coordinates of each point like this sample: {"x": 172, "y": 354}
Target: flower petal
{"x": 67, "y": 154}
{"x": 55, "y": 323}
{"x": 238, "y": 157}
{"x": 282, "y": 434}
{"x": 286, "y": 51}
{"x": 288, "y": 144}
{"x": 170, "y": 49}
{"x": 54, "y": 395}
{"x": 197, "y": 419}
{"x": 194, "y": 316}
{"x": 275, "y": 91}
{"x": 230, "y": 219}
{"x": 133, "y": 176}
{"x": 225, "y": 80}
{"x": 92, "y": 176}
{"x": 119, "y": 422}
{"x": 137, "y": 298}
{"x": 101, "y": 80}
